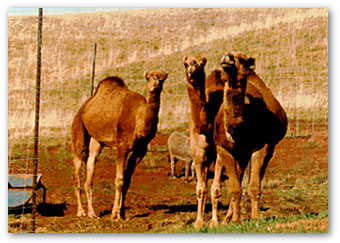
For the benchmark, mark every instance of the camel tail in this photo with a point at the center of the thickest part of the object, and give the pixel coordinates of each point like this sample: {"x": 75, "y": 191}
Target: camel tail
{"x": 80, "y": 138}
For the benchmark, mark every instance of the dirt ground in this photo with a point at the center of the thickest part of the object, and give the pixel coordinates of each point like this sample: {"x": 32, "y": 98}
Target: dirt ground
{"x": 158, "y": 203}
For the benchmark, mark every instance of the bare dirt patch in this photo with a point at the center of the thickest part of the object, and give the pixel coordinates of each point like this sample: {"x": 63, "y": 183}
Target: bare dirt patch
{"x": 158, "y": 203}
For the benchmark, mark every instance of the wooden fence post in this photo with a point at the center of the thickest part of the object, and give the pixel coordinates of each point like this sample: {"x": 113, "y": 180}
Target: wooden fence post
{"x": 93, "y": 66}
{"x": 36, "y": 124}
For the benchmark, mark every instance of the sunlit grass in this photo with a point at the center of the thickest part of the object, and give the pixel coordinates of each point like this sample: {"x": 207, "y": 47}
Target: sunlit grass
{"x": 290, "y": 47}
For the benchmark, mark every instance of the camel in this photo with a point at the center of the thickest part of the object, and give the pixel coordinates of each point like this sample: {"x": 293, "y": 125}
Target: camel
{"x": 249, "y": 124}
{"x": 201, "y": 130}
{"x": 179, "y": 149}
{"x": 115, "y": 116}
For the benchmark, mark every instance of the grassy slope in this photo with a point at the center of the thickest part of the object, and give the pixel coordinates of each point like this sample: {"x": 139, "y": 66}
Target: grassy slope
{"x": 290, "y": 47}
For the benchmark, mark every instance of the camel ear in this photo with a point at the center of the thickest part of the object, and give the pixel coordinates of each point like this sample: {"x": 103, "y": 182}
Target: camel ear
{"x": 184, "y": 60}
{"x": 146, "y": 75}
{"x": 251, "y": 62}
{"x": 204, "y": 61}
{"x": 165, "y": 75}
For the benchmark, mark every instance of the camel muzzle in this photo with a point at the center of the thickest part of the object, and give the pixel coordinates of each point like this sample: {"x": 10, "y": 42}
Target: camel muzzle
{"x": 227, "y": 61}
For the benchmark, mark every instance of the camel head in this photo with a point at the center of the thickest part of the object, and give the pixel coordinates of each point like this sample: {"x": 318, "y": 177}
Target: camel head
{"x": 237, "y": 66}
{"x": 155, "y": 80}
{"x": 194, "y": 68}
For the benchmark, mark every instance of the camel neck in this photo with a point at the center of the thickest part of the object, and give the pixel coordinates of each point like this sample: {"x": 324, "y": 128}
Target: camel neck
{"x": 233, "y": 100}
{"x": 153, "y": 101}
{"x": 198, "y": 105}
{"x": 149, "y": 116}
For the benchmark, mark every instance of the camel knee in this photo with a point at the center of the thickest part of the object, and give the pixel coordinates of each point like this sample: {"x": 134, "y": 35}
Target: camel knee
{"x": 76, "y": 180}
{"x": 201, "y": 192}
{"x": 254, "y": 192}
{"x": 77, "y": 162}
{"x": 215, "y": 191}
{"x": 235, "y": 194}
{"x": 119, "y": 183}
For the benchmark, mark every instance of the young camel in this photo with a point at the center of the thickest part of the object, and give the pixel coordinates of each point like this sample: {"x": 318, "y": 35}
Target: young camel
{"x": 115, "y": 116}
{"x": 248, "y": 126}
{"x": 201, "y": 130}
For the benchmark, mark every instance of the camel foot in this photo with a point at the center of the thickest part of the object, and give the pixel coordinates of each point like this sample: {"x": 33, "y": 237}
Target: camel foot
{"x": 117, "y": 220}
{"x": 213, "y": 224}
{"x": 81, "y": 213}
{"x": 92, "y": 215}
{"x": 227, "y": 220}
{"x": 198, "y": 224}
{"x": 255, "y": 216}
{"x": 116, "y": 217}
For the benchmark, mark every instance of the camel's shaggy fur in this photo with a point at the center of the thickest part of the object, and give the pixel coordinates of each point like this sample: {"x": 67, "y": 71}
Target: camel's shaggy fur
{"x": 201, "y": 130}
{"x": 115, "y": 116}
{"x": 179, "y": 149}
{"x": 249, "y": 124}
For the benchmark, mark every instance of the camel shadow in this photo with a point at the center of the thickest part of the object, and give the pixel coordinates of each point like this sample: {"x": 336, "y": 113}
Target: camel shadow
{"x": 108, "y": 212}
{"x": 170, "y": 209}
{"x": 44, "y": 209}
{"x": 52, "y": 210}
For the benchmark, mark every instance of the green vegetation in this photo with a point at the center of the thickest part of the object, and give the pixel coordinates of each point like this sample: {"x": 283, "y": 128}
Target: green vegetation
{"x": 270, "y": 225}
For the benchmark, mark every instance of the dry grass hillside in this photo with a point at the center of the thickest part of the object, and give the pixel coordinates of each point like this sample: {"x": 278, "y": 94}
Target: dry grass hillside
{"x": 290, "y": 46}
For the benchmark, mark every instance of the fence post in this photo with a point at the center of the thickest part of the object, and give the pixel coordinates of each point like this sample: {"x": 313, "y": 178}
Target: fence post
{"x": 93, "y": 66}
{"x": 36, "y": 124}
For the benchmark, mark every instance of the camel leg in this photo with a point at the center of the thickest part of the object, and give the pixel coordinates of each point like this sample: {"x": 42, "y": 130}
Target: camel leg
{"x": 173, "y": 164}
{"x": 133, "y": 161}
{"x": 192, "y": 170}
{"x": 234, "y": 173}
{"x": 94, "y": 150}
{"x": 201, "y": 193}
{"x": 216, "y": 191}
{"x": 259, "y": 162}
{"x": 118, "y": 203}
{"x": 235, "y": 191}
{"x": 123, "y": 180}
{"x": 187, "y": 169}
{"x": 77, "y": 184}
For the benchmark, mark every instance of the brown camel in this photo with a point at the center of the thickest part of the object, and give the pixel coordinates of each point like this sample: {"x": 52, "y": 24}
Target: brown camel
{"x": 249, "y": 124}
{"x": 201, "y": 130}
{"x": 115, "y": 116}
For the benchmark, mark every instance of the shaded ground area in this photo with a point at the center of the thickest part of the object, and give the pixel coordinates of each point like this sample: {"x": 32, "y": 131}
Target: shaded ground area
{"x": 296, "y": 183}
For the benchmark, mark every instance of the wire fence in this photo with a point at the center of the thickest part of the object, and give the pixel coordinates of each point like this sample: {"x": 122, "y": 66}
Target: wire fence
{"x": 290, "y": 47}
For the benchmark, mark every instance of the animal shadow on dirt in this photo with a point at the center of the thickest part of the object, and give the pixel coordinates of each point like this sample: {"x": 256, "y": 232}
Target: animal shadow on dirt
{"x": 44, "y": 209}
{"x": 184, "y": 208}
{"x": 210, "y": 175}
{"x": 108, "y": 212}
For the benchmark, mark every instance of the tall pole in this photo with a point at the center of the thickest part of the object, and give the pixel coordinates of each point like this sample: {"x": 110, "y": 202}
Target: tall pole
{"x": 93, "y": 66}
{"x": 36, "y": 124}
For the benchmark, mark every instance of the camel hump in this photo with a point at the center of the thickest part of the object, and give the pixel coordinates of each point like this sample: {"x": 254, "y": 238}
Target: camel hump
{"x": 214, "y": 82}
{"x": 112, "y": 82}
{"x": 255, "y": 86}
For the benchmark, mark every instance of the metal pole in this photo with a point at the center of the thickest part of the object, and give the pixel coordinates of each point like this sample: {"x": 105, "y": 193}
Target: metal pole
{"x": 36, "y": 124}
{"x": 93, "y": 66}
